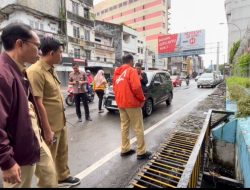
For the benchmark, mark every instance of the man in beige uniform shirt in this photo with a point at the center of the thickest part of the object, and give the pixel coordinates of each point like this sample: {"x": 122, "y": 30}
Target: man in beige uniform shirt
{"x": 21, "y": 45}
{"x": 46, "y": 87}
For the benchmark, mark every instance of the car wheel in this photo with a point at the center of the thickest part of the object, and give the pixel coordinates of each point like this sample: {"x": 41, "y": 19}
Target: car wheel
{"x": 169, "y": 100}
{"x": 111, "y": 111}
{"x": 148, "y": 107}
{"x": 198, "y": 86}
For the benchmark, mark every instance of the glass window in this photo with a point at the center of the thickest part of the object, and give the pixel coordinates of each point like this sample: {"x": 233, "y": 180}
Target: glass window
{"x": 88, "y": 55}
{"x": 87, "y": 35}
{"x": 75, "y": 8}
{"x": 77, "y": 53}
{"x": 76, "y": 32}
{"x": 157, "y": 78}
{"x": 86, "y": 13}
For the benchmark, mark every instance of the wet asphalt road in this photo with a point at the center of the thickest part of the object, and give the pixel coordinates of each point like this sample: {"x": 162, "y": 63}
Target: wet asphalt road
{"x": 94, "y": 146}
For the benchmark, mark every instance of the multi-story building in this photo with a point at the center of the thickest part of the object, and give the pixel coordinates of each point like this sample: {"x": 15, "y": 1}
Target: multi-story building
{"x": 125, "y": 41}
{"x": 149, "y": 17}
{"x": 238, "y": 18}
{"x": 45, "y": 21}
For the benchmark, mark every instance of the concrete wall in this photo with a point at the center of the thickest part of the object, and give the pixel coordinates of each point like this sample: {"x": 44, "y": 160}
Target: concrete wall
{"x": 51, "y": 7}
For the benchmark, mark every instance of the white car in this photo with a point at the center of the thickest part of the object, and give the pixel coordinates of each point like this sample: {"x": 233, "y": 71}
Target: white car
{"x": 207, "y": 79}
{"x": 196, "y": 78}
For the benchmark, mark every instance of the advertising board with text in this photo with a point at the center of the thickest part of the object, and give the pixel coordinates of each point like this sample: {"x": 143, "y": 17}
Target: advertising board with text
{"x": 182, "y": 44}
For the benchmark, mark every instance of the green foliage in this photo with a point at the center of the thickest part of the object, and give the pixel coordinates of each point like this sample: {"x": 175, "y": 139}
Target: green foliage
{"x": 244, "y": 106}
{"x": 243, "y": 63}
{"x": 233, "y": 51}
{"x": 239, "y": 91}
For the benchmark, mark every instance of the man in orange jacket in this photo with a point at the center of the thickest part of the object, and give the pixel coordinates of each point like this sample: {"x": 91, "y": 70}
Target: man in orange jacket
{"x": 130, "y": 99}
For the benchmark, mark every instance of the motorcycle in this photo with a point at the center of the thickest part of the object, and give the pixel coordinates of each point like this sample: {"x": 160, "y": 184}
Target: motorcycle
{"x": 187, "y": 82}
{"x": 70, "y": 98}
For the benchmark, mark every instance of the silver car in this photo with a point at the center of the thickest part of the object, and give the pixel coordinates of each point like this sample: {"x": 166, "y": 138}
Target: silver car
{"x": 207, "y": 80}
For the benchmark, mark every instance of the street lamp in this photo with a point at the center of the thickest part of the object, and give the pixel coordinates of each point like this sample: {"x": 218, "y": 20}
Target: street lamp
{"x": 234, "y": 25}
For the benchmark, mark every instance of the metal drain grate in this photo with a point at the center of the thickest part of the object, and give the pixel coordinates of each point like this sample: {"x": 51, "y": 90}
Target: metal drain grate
{"x": 166, "y": 168}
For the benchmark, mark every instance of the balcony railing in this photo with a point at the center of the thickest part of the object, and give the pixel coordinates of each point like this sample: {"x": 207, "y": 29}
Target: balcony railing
{"x": 81, "y": 42}
{"x": 80, "y": 20}
{"x": 61, "y": 38}
{"x": 103, "y": 47}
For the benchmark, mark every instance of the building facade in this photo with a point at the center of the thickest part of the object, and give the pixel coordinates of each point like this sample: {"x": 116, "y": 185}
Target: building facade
{"x": 126, "y": 41}
{"x": 238, "y": 18}
{"x": 148, "y": 17}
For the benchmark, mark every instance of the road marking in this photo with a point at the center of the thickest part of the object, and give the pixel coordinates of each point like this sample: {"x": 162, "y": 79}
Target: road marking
{"x": 109, "y": 156}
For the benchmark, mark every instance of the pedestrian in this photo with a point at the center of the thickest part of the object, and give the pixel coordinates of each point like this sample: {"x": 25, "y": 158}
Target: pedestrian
{"x": 46, "y": 87}
{"x": 79, "y": 81}
{"x": 100, "y": 84}
{"x": 143, "y": 76}
{"x": 23, "y": 151}
{"x": 90, "y": 81}
{"x": 130, "y": 99}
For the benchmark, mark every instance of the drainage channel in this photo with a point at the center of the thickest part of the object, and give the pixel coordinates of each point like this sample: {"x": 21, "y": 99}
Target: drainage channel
{"x": 165, "y": 169}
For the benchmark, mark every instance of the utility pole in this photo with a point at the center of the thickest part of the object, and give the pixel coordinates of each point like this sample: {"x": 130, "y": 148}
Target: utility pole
{"x": 146, "y": 59}
{"x": 218, "y": 56}
{"x": 212, "y": 67}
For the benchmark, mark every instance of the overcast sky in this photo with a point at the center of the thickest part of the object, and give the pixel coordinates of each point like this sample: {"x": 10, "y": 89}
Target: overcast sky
{"x": 189, "y": 15}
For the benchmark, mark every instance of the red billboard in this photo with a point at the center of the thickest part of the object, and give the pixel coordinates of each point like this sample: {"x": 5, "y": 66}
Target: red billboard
{"x": 182, "y": 44}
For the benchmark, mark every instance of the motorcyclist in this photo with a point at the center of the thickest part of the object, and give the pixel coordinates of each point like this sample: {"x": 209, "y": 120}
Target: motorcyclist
{"x": 187, "y": 79}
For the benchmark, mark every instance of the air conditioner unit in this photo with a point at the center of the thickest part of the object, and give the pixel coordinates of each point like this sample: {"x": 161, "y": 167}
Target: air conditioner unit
{"x": 82, "y": 37}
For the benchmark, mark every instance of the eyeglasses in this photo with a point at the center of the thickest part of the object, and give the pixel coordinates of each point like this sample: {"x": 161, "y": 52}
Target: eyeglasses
{"x": 34, "y": 43}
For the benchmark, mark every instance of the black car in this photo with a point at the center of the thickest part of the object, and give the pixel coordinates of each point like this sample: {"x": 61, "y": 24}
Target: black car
{"x": 159, "y": 89}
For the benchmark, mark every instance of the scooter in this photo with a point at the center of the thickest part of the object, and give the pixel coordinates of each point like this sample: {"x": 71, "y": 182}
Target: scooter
{"x": 70, "y": 99}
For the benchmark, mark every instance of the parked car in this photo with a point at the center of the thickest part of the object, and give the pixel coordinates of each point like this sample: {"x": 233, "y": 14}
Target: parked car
{"x": 159, "y": 89}
{"x": 207, "y": 79}
{"x": 176, "y": 80}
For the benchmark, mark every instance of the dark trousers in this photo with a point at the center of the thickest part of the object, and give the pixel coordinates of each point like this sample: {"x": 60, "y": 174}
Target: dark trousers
{"x": 100, "y": 94}
{"x": 84, "y": 98}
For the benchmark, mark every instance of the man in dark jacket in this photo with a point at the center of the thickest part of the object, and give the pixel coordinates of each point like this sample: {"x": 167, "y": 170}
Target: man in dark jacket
{"x": 143, "y": 76}
{"x": 22, "y": 149}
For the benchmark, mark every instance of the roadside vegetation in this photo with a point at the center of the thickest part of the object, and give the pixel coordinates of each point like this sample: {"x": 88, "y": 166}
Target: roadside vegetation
{"x": 239, "y": 90}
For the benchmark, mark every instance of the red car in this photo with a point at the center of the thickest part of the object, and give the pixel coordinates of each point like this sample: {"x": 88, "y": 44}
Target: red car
{"x": 176, "y": 80}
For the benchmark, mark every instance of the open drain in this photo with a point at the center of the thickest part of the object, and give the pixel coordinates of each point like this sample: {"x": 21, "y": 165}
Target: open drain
{"x": 167, "y": 166}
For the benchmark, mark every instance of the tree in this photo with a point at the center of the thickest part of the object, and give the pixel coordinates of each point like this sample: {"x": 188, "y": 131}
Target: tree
{"x": 233, "y": 51}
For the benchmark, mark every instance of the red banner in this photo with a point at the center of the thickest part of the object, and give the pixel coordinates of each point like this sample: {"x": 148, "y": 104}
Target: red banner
{"x": 167, "y": 44}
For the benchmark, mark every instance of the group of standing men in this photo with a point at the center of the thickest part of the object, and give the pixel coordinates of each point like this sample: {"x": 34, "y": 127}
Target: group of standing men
{"x": 33, "y": 134}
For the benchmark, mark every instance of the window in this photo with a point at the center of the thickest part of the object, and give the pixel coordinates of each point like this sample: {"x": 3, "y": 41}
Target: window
{"x": 144, "y": 28}
{"x": 157, "y": 78}
{"x": 77, "y": 53}
{"x": 88, "y": 54}
{"x": 86, "y": 13}
{"x": 163, "y": 25}
{"x": 105, "y": 59}
{"x": 75, "y": 8}
{"x": 87, "y": 35}
{"x": 76, "y": 32}
{"x": 124, "y": 3}
{"x": 120, "y": 5}
{"x": 138, "y": 50}
{"x": 98, "y": 58}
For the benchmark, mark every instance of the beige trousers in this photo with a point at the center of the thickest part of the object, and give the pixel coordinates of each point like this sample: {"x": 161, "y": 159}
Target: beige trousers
{"x": 44, "y": 171}
{"x": 59, "y": 151}
{"x": 132, "y": 117}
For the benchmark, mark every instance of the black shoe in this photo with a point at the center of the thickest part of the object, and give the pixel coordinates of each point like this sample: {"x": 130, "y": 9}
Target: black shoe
{"x": 72, "y": 181}
{"x": 146, "y": 155}
{"x": 101, "y": 111}
{"x": 130, "y": 152}
{"x": 88, "y": 119}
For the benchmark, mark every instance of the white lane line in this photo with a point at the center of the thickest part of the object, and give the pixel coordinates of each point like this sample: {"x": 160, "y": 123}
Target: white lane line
{"x": 109, "y": 156}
